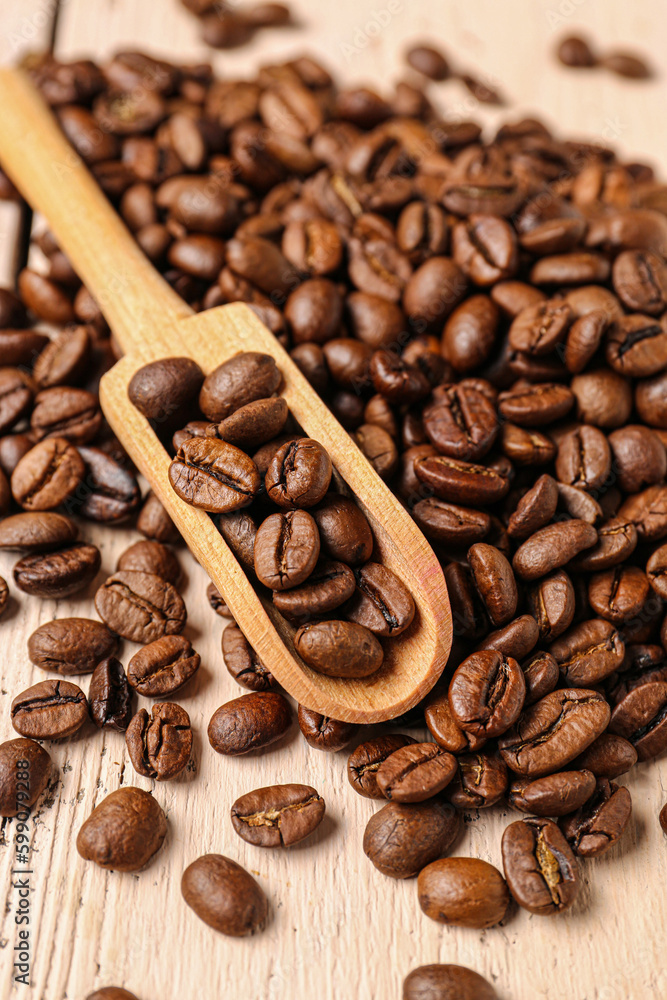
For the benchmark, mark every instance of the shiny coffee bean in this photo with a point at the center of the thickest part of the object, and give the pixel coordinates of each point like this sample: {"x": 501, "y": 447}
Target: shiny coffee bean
{"x": 540, "y": 868}
{"x": 552, "y": 547}
{"x": 541, "y": 674}
{"x": 71, "y": 645}
{"x": 345, "y": 533}
{"x": 450, "y": 523}
{"x": 442, "y": 982}
{"x": 618, "y": 594}
{"x": 551, "y": 601}
{"x": 494, "y": 581}
{"x": 25, "y": 770}
{"x": 286, "y": 549}
{"x": 588, "y": 652}
{"x": 299, "y": 474}
{"x": 641, "y": 718}
{"x": 49, "y": 710}
{"x": 400, "y": 840}
{"x": 141, "y": 607}
{"x": 486, "y": 693}
{"x": 461, "y": 422}
{"x": 381, "y": 602}
{"x": 535, "y": 509}
{"x": 151, "y": 557}
{"x": 162, "y": 666}
{"x": 415, "y": 772}
{"x": 364, "y": 762}
{"x": 57, "y": 574}
{"x": 324, "y": 733}
{"x": 278, "y": 816}
{"x": 607, "y": 757}
{"x": 109, "y": 696}
{"x": 328, "y": 586}
{"x": 480, "y": 782}
{"x": 461, "y": 482}
{"x": 250, "y": 722}
{"x": 598, "y": 824}
{"x": 159, "y": 746}
{"x": 47, "y": 475}
{"x": 463, "y": 892}
{"x": 242, "y": 661}
{"x": 124, "y": 831}
{"x": 243, "y": 379}
{"x": 225, "y": 896}
{"x": 554, "y": 795}
{"x": 339, "y": 649}
{"x": 213, "y": 475}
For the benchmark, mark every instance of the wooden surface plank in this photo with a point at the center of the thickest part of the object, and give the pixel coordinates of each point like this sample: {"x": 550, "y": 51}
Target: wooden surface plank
{"x": 339, "y": 929}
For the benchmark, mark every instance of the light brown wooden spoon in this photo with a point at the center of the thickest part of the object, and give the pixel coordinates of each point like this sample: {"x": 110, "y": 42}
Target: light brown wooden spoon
{"x": 150, "y": 321}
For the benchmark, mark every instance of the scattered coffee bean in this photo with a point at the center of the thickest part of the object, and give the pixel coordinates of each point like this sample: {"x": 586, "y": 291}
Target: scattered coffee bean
{"x": 124, "y": 831}
{"x": 278, "y": 816}
{"x": 25, "y": 767}
{"x": 242, "y": 661}
{"x": 160, "y": 745}
{"x": 140, "y": 606}
{"x": 71, "y": 645}
{"x": 323, "y": 733}
{"x": 364, "y": 762}
{"x": 163, "y": 666}
{"x": 250, "y": 722}
{"x": 49, "y": 710}
{"x": 540, "y": 868}
{"x": 597, "y": 825}
{"x": 224, "y": 896}
{"x": 401, "y": 840}
{"x": 446, "y": 982}
{"x": 463, "y": 892}
{"x": 109, "y": 696}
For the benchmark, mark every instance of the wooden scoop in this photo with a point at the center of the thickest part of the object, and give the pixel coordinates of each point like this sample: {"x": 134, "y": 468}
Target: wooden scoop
{"x": 150, "y": 321}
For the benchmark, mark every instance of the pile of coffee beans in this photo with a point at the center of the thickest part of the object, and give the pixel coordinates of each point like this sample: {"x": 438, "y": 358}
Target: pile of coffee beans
{"x": 488, "y": 319}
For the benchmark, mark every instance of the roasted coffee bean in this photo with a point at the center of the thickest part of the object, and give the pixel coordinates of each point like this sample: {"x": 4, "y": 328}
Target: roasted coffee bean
{"x": 486, "y": 693}
{"x": 607, "y": 757}
{"x": 109, "y": 696}
{"x": 255, "y": 423}
{"x": 485, "y": 248}
{"x": 526, "y": 447}
{"x": 402, "y": 839}
{"x": 224, "y": 896}
{"x": 551, "y": 601}
{"x": 299, "y": 474}
{"x": 583, "y": 339}
{"x": 619, "y": 594}
{"x": 415, "y": 772}
{"x": 159, "y": 746}
{"x": 515, "y": 640}
{"x": 328, "y": 586}
{"x": 216, "y": 601}
{"x": 65, "y": 360}
{"x": 603, "y": 398}
{"x": 481, "y": 780}
{"x": 278, "y": 816}
{"x": 540, "y": 868}
{"x": 535, "y": 405}
{"x": 213, "y": 475}
{"x": 151, "y": 557}
{"x": 324, "y": 733}
{"x": 648, "y": 513}
{"x": 470, "y": 333}
{"x": 551, "y": 547}
{"x": 71, "y": 645}
{"x": 243, "y": 379}
{"x": 494, "y": 581}
{"x": 468, "y": 615}
{"x": 313, "y": 246}
{"x": 49, "y": 710}
{"x": 626, "y": 64}
{"x": 239, "y": 531}
{"x": 535, "y": 509}
{"x": 617, "y": 539}
{"x": 449, "y": 523}
{"x": 154, "y": 522}
{"x": 650, "y": 400}
{"x": 161, "y": 389}
{"x": 381, "y": 603}
{"x": 339, "y": 649}
{"x": 553, "y": 731}
{"x": 108, "y": 493}
{"x": 641, "y": 718}
{"x": 286, "y": 549}
{"x": 446, "y": 982}
{"x": 163, "y": 666}
{"x": 250, "y": 722}
{"x": 345, "y": 533}
{"x": 553, "y": 795}
{"x": 428, "y": 61}
{"x": 397, "y": 380}
{"x": 262, "y": 457}
{"x": 378, "y": 447}
{"x": 47, "y": 475}
{"x": 663, "y": 819}
{"x": 541, "y": 675}
{"x": 588, "y": 652}
{"x": 25, "y": 769}
{"x": 111, "y": 993}
{"x": 640, "y": 458}
{"x": 44, "y": 297}
{"x": 461, "y": 482}
{"x": 461, "y": 422}
{"x": 640, "y": 281}
{"x": 575, "y": 51}
{"x": 57, "y": 574}
{"x": 636, "y": 346}
{"x": 364, "y": 762}
{"x": 17, "y": 391}
{"x": 539, "y": 328}
{"x": 579, "y": 505}
{"x": 463, "y": 892}
{"x": 124, "y": 831}
{"x": 64, "y": 412}
{"x": 656, "y": 569}
{"x": 597, "y": 825}
{"x": 37, "y": 532}
{"x": 422, "y": 231}
{"x": 242, "y": 661}
{"x": 584, "y": 458}
{"x": 21, "y": 347}
{"x": 140, "y": 606}
{"x": 12, "y": 449}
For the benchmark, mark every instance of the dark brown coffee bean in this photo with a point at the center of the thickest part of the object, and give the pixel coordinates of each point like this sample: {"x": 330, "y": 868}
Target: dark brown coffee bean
{"x": 626, "y": 64}
{"x": 619, "y": 594}
{"x": 553, "y": 795}
{"x": 163, "y": 666}
{"x": 461, "y": 482}
{"x": 552, "y": 547}
{"x": 526, "y": 447}
{"x": 216, "y": 601}
{"x": 324, "y": 733}
{"x": 314, "y": 313}
{"x": 242, "y": 661}
{"x": 224, "y": 895}
{"x": 429, "y": 61}
{"x": 656, "y": 569}
{"x": 540, "y": 868}
{"x": 159, "y": 746}
{"x": 515, "y": 640}
{"x": 640, "y": 281}
{"x": 584, "y": 458}
{"x": 663, "y": 819}
{"x": 486, "y": 693}
{"x": 364, "y": 762}
{"x": 379, "y": 448}
{"x": 313, "y": 246}
{"x": 480, "y": 782}
{"x": 329, "y": 585}
{"x": 47, "y": 475}
{"x": 37, "y": 532}
{"x": 109, "y": 493}
{"x": 470, "y": 333}
{"x": 589, "y": 652}
{"x": 57, "y": 574}
{"x": 604, "y": 398}
{"x": 396, "y": 379}
{"x": 64, "y": 412}
{"x": 485, "y": 248}
{"x": 243, "y": 379}
{"x": 109, "y": 696}
{"x": 648, "y": 512}
{"x": 461, "y": 422}
{"x": 551, "y": 601}
{"x": 141, "y": 607}
{"x": 446, "y": 982}
{"x": 239, "y": 531}
{"x": 111, "y": 993}
{"x": 463, "y": 892}
{"x": 345, "y": 533}
{"x": 255, "y": 423}
{"x": 640, "y": 458}
{"x": 151, "y": 557}
{"x": 415, "y": 772}
{"x": 637, "y": 346}
{"x": 71, "y": 645}
{"x": 575, "y": 51}
{"x": 160, "y": 390}
{"x": 299, "y": 474}
{"x": 444, "y": 728}
{"x": 124, "y": 831}
{"x": 535, "y": 509}
{"x": 213, "y": 475}
{"x": 25, "y": 769}
{"x": 450, "y": 523}
{"x": 541, "y": 675}
{"x": 382, "y": 602}
{"x": 154, "y": 522}
{"x": 650, "y": 400}
{"x": 607, "y": 757}
{"x": 422, "y": 231}
{"x": 45, "y": 298}
{"x": 401, "y": 839}
{"x": 583, "y": 339}
{"x": 12, "y": 449}
{"x": 641, "y": 718}
{"x": 617, "y": 539}
{"x": 535, "y": 405}
{"x": 49, "y": 710}
{"x": 339, "y": 649}
{"x": 286, "y": 550}
{"x": 494, "y": 581}
{"x": 250, "y": 722}
{"x": 17, "y": 391}
{"x": 278, "y": 816}
{"x": 553, "y": 731}
{"x": 598, "y": 824}
{"x": 21, "y": 347}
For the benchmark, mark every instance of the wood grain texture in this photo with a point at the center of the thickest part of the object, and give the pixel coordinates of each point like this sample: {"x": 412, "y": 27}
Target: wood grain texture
{"x": 339, "y": 929}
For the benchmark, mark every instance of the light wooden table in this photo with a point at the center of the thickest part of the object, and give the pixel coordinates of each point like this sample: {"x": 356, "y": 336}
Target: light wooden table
{"x": 339, "y": 930}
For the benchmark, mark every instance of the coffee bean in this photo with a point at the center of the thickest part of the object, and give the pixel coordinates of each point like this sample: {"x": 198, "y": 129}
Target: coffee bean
{"x": 160, "y": 745}
{"x": 364, "y": 762}
{"x": 224, "y": 896}
{"x": 12, "y": 449}
{"x": 607, "y": 757}
{"x": 379, "y": 448}
{"x": 415, "y": 772}
{"x": 239, "y": 531}
{"x": 65, "y": 360}
{"x": 640, "y": 458}
{"x": 242, "y": 661}
{"x": 163, "y": 666}
{"x": 583, "y": 339}
{"x": 540, "y": 868}
{"x": 495, "y": 583}
{"x": 584, "y": 458}
{"x": 382, "y": 602}
{"x": 461, "y": 482}
{"x": 449, "y": 523}
{"x": 575, "y": 51}
{"x": 402, "y": 839}
{"x": 650, "y": 400}
{"x": 619, "y": 594}
{"x": 535, "y": 509}
{"x": 278, "y": 816}
{"x": 47, "y": 475}
{"x": 57, "y": 574}
{"x": 339, "y": 649}
{"x": 213, "y": 475}
{"x": 154, "y": 522}
{"x": 597, "y": 825}
{"x": 626, "y": 64}
{"x": 429, "y": 61}
{"x": 65, "y": 412}
{"x": 71, "y": 645}
{"x": 551, "y": 601}
{"x": 480, "y": 782}
{"x": 553, "y": 731}
{"x": 663, "y": 819}
{"x": 299, "y": 474}
{"x": 515, "y": 640}
{"x": 243, "y": 379}
{"x": 551, "y": 547}
{"x": 124, "y": 831}
{"x": 250, "y": 722}
{"x": 541, "y": 674}
{"x": 656, "y": 570}
{"x": 324, "y": 733}
{"x": 647, "y": 511}
{"x": 161, "y": 389}
{"x": 603, "y": 398}
{"x": 216, "y": 601}
{"x": 641, "y": 718}
{"x": 461, "y": 422}
{"x": 553, "y": 795}
{"x": 111, "y": 993}
{"x": 329, "y": 585}
{"x": 25, "y": 769}
{"x": 49, "y": 710}
{"x": 396, "y": 379}
{"x": 617, "y": 539}
{"x": 109, "y": 493}
{"x": 17, "y": 391}
{"x": 588, "y": 652}
{"x": 286, "y": 550}
{"x": 109, "y": 696}
{"x": 140, "y": 606}
{"x": 470, "y": 333}
{"x": 255, "y": 423}
{"x": 640, "y": 281}
{"x": 345, "y": 533}
{"x": 151, "y": 557}
{"x": 44, "y": 297}
{"x": 486, "y": 693}
{"x": 441, "y": 982}
{"x": 463, "y": 892}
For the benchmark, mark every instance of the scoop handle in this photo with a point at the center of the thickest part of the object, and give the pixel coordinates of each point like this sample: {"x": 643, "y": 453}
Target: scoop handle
{"x": 52, "y": 177}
